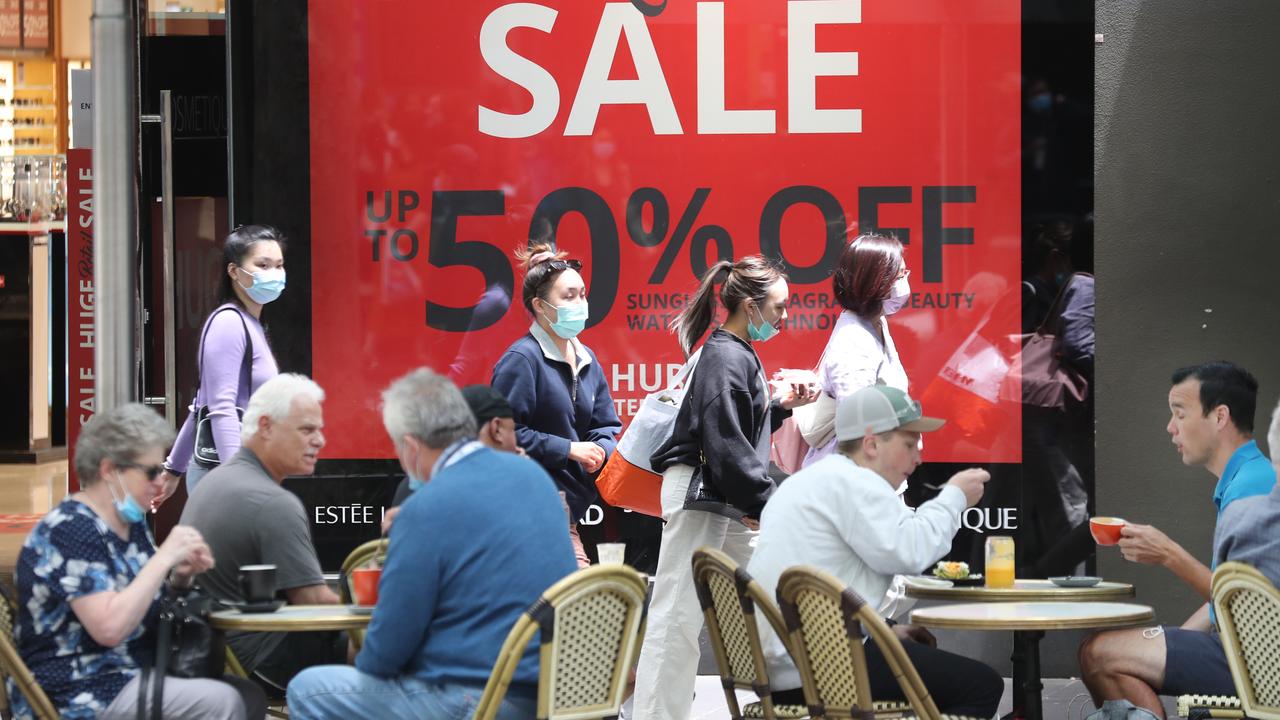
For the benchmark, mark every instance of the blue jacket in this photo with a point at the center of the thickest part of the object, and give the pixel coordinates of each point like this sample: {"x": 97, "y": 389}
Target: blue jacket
{"x": 469, "y": 552}
{"x": 553, "y": 407}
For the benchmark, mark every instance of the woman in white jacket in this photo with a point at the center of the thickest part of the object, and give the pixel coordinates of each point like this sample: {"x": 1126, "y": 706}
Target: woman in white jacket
{"x": 870, "y": 283}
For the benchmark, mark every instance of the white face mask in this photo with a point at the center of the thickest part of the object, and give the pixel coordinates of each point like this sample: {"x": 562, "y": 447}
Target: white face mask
{"x": 898, "y": 296}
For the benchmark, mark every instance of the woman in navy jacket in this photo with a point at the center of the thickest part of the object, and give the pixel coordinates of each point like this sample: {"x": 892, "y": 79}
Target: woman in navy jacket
{"x": 562, "y": 407}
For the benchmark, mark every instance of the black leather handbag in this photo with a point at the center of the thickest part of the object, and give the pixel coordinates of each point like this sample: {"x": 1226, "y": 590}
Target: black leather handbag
{"x": 206, "y": 451}
{"x": 704, "y": 495}
{"x": 187, "y": 646}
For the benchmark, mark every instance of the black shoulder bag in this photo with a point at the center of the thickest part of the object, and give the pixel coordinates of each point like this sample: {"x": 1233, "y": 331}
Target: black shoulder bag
{"x": 206, "y": 451}
{"x": 187, "y": 646}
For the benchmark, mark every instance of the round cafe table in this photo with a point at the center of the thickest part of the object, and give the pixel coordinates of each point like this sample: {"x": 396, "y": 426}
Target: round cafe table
{"x": 291, "y": 618}
{"x": 1022, "y": 591}
{"x": 1029, "y": 621}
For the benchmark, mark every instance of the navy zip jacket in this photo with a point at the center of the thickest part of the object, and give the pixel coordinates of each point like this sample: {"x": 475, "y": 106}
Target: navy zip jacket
{"x": 727, "y": 418}
{"x": 553, "y": 407}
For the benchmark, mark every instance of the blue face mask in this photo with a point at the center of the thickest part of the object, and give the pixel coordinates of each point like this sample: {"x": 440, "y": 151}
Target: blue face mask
{"x": 127, "y": 508}
{"x": 267, "y": 285}
{"x": 760, "y": 332}
{"x": 570, "y": 320}
{"x": 415, "y": 483}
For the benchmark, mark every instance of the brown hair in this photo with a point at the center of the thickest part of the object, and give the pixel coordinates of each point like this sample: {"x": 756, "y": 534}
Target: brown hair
{"x": 748, "y": 279}
{"x": 540, "y": 270}
{"x": 865, "y": 274}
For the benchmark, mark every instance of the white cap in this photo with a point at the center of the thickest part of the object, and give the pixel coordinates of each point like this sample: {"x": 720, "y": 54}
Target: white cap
{"x": 881, "y": 408}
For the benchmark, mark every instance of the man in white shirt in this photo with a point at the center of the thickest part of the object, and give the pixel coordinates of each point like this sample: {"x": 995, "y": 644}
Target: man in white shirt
{"x": 843, "y": 515}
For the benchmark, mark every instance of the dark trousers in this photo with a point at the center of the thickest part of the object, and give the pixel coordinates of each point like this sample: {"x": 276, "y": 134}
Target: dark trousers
{"x": 959, "y": 685}
{"x": 297, "y": 652}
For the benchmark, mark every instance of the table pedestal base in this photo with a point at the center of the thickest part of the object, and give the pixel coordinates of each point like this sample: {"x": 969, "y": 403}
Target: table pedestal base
{"x": 1026, "y": 676}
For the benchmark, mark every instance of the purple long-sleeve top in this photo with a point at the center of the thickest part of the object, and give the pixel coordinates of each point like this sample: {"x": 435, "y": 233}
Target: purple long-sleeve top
{"x": 220, "y": 386}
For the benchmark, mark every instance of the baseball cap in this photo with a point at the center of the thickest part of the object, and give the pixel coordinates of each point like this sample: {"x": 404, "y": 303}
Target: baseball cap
{"x": 882, "y": 408}
{"x": 486, "y": 403}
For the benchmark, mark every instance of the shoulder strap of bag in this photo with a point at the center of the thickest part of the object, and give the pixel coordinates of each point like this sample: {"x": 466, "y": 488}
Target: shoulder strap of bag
{"x": 163, "y": 643}
{"x": 248, "y": 346}
{"x": 687, "y": 370}
{"x": 143, "y": 677}
{"x": 1055, "y": 310}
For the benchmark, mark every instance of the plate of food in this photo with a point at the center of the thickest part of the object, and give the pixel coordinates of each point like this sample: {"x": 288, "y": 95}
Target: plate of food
{"x": 927, "y": 581}
{"x": 957, "y": 572}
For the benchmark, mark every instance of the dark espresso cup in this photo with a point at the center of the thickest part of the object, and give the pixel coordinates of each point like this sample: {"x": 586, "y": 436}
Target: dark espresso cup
{"x": 258, "y": 583}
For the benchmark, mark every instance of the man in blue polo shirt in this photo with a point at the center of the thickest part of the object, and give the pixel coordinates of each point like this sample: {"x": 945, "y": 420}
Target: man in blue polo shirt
{"x": 1211, "y": 424}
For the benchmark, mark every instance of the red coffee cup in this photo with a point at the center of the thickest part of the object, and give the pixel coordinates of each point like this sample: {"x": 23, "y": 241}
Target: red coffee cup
{"x": 1106, "y": 530}
{"x": 364, "y": 585}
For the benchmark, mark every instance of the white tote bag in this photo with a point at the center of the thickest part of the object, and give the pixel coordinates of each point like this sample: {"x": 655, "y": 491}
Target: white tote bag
{"x": 628, "y": 479}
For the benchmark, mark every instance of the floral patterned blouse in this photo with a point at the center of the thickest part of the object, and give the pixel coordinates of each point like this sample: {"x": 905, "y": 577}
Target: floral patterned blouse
{"x": 69, "y": 554}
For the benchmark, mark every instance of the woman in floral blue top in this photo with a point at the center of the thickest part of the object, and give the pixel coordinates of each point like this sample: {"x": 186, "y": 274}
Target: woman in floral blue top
{"x": 90, "y": 579}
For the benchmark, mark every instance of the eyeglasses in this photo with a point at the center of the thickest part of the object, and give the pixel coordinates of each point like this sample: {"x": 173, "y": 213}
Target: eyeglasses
{"x": 559, "y": 265}
{"x": 904, "y": 274}
{"x": 151, "y": 471}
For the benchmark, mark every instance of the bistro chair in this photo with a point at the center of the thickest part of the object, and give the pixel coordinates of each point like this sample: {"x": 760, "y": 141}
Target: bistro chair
{"x": 825, "y": 620}
{"x": 588, "y": 625}
{"x": 1247, "y": 606}
{"x": 729, "y": 599}
{"x": 12, "y": 665}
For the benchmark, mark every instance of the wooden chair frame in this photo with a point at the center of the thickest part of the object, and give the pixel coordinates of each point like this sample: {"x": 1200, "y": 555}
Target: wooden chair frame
{"x": 540, "y": 619}
{"x": 12, "y": 664}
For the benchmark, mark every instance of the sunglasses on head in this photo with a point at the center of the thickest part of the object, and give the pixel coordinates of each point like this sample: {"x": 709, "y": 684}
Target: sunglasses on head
{"x": 151, "y": 471}
{"x": 559, "y": 265}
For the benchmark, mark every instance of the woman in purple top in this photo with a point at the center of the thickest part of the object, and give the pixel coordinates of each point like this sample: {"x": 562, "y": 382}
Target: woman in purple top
{"x": 254, "y": 276}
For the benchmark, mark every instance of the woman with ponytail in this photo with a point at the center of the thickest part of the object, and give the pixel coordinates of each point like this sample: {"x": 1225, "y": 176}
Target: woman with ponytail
{"x": 721, "y": 436}
{"x": 556, "y": 388}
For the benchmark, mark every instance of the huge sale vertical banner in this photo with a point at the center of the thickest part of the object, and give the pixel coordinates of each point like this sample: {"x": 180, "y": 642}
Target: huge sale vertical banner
{"x": 648, "y": 141}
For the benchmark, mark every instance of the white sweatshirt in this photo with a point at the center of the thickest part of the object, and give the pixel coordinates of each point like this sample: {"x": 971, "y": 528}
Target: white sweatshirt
{"x": 848, "y": 521}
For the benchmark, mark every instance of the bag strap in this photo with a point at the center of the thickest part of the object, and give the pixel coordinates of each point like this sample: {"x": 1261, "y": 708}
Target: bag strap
{"x": 248, "y": 349}
{"x": 1055, "y": 310}
{"x": 143, "y": 679}
{"x": 686, "y": 370}
{"x": 164, "y": 640}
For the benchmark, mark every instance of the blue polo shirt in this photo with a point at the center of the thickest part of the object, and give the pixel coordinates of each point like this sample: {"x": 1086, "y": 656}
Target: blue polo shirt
{"x": 1247, "y": 473}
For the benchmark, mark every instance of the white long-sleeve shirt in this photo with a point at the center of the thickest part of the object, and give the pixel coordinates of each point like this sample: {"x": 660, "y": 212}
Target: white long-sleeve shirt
{"x": 853, "y": 359}
{"x": 847, "y": 520}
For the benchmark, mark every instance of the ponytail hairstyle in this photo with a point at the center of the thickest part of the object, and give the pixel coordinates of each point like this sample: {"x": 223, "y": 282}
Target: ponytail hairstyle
{"x": 236, "y": 248}
{"x": 542, "y": 264}
{"x": 747, "y": 279}
{"x": 865, "y": 273}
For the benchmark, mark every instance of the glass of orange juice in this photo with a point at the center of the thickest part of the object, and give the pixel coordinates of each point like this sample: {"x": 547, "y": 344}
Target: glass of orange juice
{"x": 999, "y": 562}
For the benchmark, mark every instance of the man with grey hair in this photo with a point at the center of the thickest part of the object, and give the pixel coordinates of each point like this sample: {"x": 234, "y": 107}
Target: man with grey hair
{"x": 478, "y": 543}
{"x": 248, "y": 518}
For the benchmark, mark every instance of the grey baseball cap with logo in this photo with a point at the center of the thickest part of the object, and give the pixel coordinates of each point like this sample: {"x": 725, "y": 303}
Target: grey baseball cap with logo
{"x": 881, "y": 408}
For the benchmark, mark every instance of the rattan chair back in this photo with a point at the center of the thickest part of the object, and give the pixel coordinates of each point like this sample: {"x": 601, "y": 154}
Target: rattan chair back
{"x": 821, "y": 618}
{"x": 1247, "y": 606}
{"x": 12, "y": 665}
{"x": 589, "y": 628}
{"x": 730, "y": 599}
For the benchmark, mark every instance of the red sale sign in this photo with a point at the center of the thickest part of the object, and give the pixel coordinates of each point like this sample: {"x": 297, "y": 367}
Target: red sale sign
{"x": 81, "y": 300}
{"x": 649, "y": 144}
